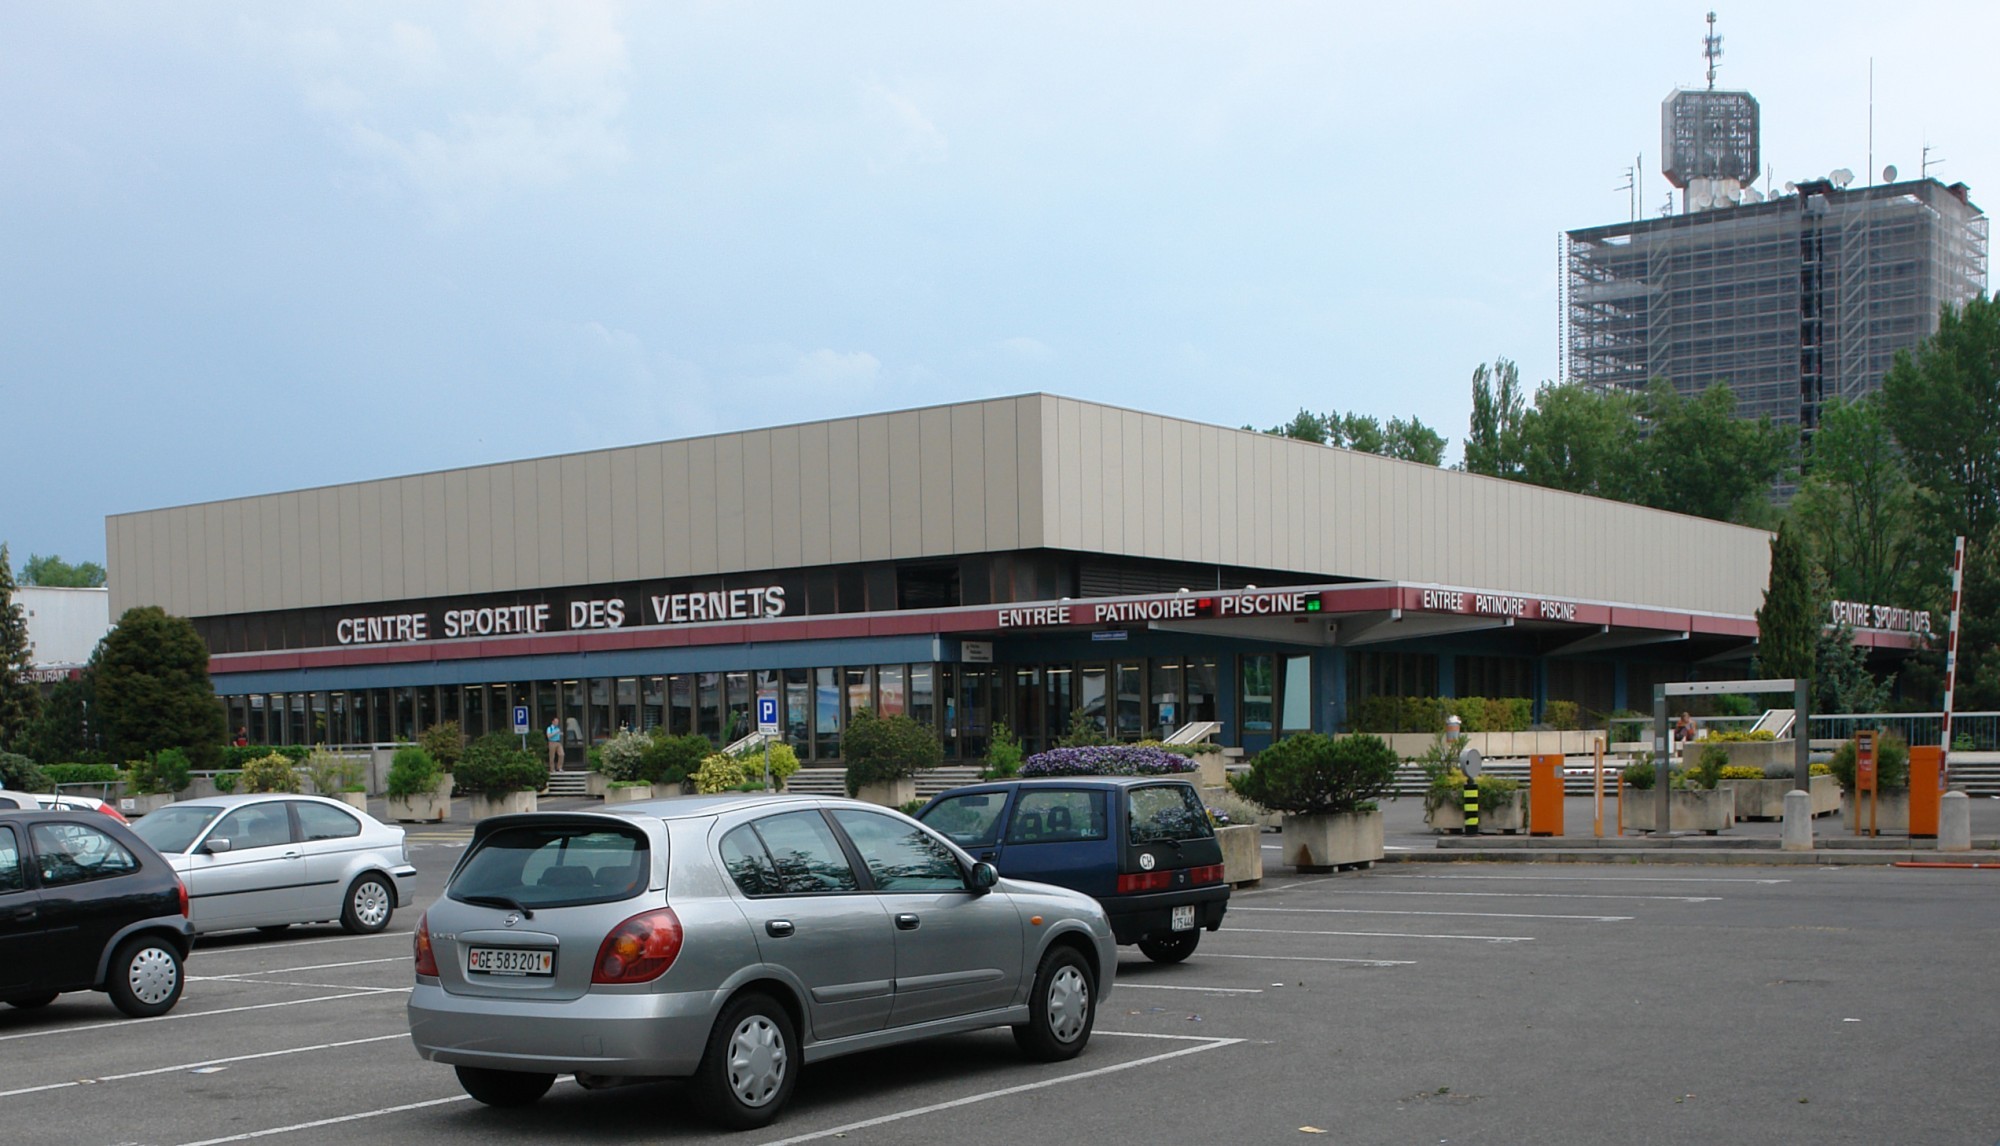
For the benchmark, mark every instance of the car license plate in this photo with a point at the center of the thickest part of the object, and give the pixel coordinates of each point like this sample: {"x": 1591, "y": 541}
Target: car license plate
{"x": 509, "y": 961}
{"x": 1184, "y": 918}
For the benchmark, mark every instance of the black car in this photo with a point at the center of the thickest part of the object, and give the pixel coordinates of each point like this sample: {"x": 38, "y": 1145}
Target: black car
{"x": 1140, "y": 845}
{"x": 85, "y": 905}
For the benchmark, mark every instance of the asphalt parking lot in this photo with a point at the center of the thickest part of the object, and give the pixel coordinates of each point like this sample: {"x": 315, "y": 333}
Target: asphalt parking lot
{"x": 1434, "y": 1003}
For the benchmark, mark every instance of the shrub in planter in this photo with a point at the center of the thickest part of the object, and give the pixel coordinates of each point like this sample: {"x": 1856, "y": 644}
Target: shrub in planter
{"x": 496, "y": 764}
{"x": 668, "y": 760}
{"x": 22, "y": 774}
{"x": 164, "y": 772}
{"x": 330, "y": 772}
{"x": 1892, "y": 762}
{"x": 1083, "y": 732}
{"x": 1742, "y": 772}
{"x": 1003, "y": 754}
{"x": 234, "y": 757}
{"x": 1448, "y": 791}
{"x": 882, "y": 750}
{"x": 1639, "y": 773}
{"x": 1742, "y": 736}
{"x": 623, "y": 757}
{"x": 57, "y": 774}
{"x": 271, "y": 773}
{"x": 445, "y": 741}
{"x": 412, "y": 772}
{"x": 1562, "y": 715}
{"x": 721, "y": 772}
{"x": 1708, "y": 766}
{"x": 225, "y": 782}
{"x": 1107, "y": 760}
{"x": 1312, "y": 774}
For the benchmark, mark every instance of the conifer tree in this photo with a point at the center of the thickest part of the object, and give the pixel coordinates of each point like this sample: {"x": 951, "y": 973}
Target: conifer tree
{"x": 1788, "y": 624}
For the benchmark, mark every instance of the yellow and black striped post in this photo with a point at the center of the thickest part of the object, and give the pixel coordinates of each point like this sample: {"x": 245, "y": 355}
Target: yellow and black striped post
{"x": 1471, "y": 807}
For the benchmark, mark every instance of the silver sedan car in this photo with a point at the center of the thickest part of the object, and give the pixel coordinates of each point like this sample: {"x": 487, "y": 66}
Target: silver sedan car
{"x": 269, "y": 861}
{"x": 731, "y": 940}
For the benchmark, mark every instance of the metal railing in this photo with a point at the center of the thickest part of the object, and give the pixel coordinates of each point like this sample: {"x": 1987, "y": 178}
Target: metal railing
{"x": 1973, "y": 731}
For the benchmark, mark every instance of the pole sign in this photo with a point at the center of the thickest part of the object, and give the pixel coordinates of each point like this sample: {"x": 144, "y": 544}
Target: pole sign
{"x": 1864, "y": 760}
{"x": 767, "y": 713}
{"x": 520, "y": 720}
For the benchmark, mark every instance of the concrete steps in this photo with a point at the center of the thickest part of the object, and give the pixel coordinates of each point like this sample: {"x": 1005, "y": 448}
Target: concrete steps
{"x": 833, "y": 781}
{"x": 567, "y": 784}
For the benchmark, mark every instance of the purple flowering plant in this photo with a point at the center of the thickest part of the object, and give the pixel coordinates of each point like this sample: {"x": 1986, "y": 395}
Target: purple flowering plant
{"x": 1107, "y": 760}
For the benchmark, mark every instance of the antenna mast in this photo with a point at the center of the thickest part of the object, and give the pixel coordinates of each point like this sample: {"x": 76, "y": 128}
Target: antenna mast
{"x": 1711, "y": 48}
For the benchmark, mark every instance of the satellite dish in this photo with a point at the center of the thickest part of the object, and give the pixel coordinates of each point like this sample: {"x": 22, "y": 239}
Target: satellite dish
{"x": 1752, "y": 195}
{"x": 1889, "y": 174}
{"x": 1791, "y": 187}
{"x": 1702, "y": 200}
{"x": 1842, "y": 177}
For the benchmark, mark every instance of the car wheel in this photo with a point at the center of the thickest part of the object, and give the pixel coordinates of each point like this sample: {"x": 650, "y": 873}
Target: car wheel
{"x": 370, "y": 903}
{"x": 750, "y": 1065}
{"x": 1171, "y": 947}
{"x": 32, "y": 1002}
{"x": 145, "y": 977}
{"x": 504, "y": 1087}
{"x": 1061, "y": 1009}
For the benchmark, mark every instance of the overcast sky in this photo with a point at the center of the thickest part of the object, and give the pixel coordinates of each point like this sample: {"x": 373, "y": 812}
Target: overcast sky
{"x": 246, "y": 248}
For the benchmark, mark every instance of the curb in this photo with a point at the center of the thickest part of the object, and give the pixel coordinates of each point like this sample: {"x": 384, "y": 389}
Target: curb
{"x": 1720, "y": 856}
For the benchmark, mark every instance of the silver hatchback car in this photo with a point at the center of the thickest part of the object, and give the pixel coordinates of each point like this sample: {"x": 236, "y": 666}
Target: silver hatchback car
{"x": 730, "y": 940}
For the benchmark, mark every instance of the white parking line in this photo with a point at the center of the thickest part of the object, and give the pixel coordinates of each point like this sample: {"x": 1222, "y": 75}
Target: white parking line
{"x": 1380, "y": 935}
{"x": 1536, "y": 895}
{"x": 292, "y": 983}
{"x": 207, "y": 1062}
{"x": 248, "y": 1135}
{"x": 318, "y": 967}
{"x": 1596, "y": 878}
{"x": 283, "y": 944}
{"x": 1177, "y": 987}
{"x": 837, "y": 1131}
{"x": 366, "y": 993}
{"x": 1313, "y": 959}
{"x": 1463, "y": 914}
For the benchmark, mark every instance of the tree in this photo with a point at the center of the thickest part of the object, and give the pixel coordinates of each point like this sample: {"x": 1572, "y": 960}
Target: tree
{"x": 1943, "y": 404}
{"x": 1856, "y": 508}
{"x": 54, "y": 572}
{"x": 1305, "y": 426}
{"x": 1979, "y": 631}
{"x": 1583, "y": 441}
{"x": 153, "y": 690}
{"x": 1493, "y": 439}
{"x": 1841, "y": 680}
{"x": 20, "y": 700}
{"x": 1701, "y": 459}
{"x": 1411, "y": 440}
{"x": 1788, "y": 623}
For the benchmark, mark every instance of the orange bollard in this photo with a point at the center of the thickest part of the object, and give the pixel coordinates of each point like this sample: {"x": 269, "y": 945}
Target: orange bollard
{"x": 1545, "y": 795}
{"x": 1926, "y": 786}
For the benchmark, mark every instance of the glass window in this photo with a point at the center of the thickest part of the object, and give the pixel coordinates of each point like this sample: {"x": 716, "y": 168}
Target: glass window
{"x": 1059, "y": 700}
{"x": 971, "y": 820}
{"x": 826, "y": 714}
{"x": 798, "y": 712}
{"x": 860, "y": 689}
{"x": 627, "y": 714}
{"x": 652, "y": 703}
{"x": 1090, "y": 696}
{"x": 1052, "y": 816}
{"x": 1255, "y": 709}
{"x": 448, "y": 704}
{"x": 741, "y": 721}
{"x": 708, "y": 705}
{"x": 894, "y": 702}
{"x": 1131, "y": 701}
{"x": 1027, "y": 708}
{"x": 805, "y": 853}
{"x": 573, "y": 714}
{"x": 1297, "y": 694}
{"x": 680, "y": 705}
{"x": 975, "y": 711}
{"x": 1167, "y": 812}
{"x": 1164, "y": 712}
{"x": 325, "y": 822}
{"x": 405, "y": 713}
{"x": 923, "y": 695}
{"x": 73, "y": 853}
{"x": 255, "y": 826}
{"x": 258, "y": 733}
{"x": 744, "y": 857}
{"x": 899, "y": 855}
{"x": 554, "y": 866}
{"x": 426, "y": 702}
{"x": 474, "y": 724}
{"x": 11, "y": 878}
{"x": 173, "y": 828}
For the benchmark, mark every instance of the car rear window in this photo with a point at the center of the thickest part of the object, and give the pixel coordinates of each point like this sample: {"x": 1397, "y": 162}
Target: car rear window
{"x": 1167, "y": 812}
{"x": 1057, "y": 816}
{"x": 555, "y": 866}
{"x": 970, "y": 820}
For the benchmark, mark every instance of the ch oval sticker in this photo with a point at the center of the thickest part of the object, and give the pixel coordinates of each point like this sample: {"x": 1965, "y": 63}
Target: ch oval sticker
{"x": 1146, "y": 861}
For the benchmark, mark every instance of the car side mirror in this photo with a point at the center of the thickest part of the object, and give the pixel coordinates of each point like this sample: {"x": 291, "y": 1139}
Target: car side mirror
{"x": 215, "y": 846}
{"x": 984, "y": 876}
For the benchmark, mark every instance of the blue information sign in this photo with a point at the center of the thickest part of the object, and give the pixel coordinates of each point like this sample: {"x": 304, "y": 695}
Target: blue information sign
{"x": 520, "y": 720}
{"x": 767, "y": 712}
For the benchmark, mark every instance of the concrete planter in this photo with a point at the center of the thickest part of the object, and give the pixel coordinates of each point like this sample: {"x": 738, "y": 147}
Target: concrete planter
{"x": 1708, "y": 810}
{"x": 1769, "y": 755}
{"x": 1324, "y": 843}
{"x": 353, "y": 799}
{"x": 889, "y": 793}
{"x": 422, "y": 808}
{"x": 201, "y": 788}
{"x": 486, "y": 804}
{"x": 1892, "y": 812}
{"x": 627, "y": 794}
{"x": 1242, "y": 854}
{"x": 1214, "y": 770}
{"x": 594, "y": 784}
{"x": 1765, "y": 799}
{"x": 1510, "y": 817}
{"x": 140, "y": 805}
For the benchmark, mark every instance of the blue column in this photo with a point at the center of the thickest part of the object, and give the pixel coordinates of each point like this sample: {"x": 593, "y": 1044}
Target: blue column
{"x": 1331, "y": 670}
{"x": 1447, "y": 675}
{"x": 1618, "y": 686}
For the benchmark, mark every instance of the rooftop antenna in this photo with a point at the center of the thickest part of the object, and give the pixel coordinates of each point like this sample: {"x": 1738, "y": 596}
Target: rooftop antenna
{"x": 1929, "y": 162}
{"x": 1631, "y": 194}
{"x": 1871, "y": 121}
{"x": 1711, "y": 47}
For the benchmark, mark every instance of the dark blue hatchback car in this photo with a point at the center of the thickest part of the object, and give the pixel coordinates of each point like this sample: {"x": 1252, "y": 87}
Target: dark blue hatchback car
{"x": 1140, "y": 845}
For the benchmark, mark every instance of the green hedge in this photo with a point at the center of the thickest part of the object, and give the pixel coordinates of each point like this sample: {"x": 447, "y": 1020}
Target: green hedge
{"x": 1427, "y": 713}
{"x": 82, "y": 773}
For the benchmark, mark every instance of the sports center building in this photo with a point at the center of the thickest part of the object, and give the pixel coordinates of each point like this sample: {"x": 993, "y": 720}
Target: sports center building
{"x": 1017, "y": 560}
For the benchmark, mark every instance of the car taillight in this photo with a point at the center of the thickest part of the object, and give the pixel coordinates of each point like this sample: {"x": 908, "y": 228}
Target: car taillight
{"x": 114, "y": 813}
{"x": 181, "y": 886}
{"x": 1207, "y": 873}
{"x": 1138, "y": 881}
{"x": 639, "y": 949}
{"x": 427, "y": 963}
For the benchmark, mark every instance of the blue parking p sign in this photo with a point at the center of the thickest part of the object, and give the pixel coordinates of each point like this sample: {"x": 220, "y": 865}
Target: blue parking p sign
{"x": 767, "y": 712}
{"x": 520, "y": 720}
